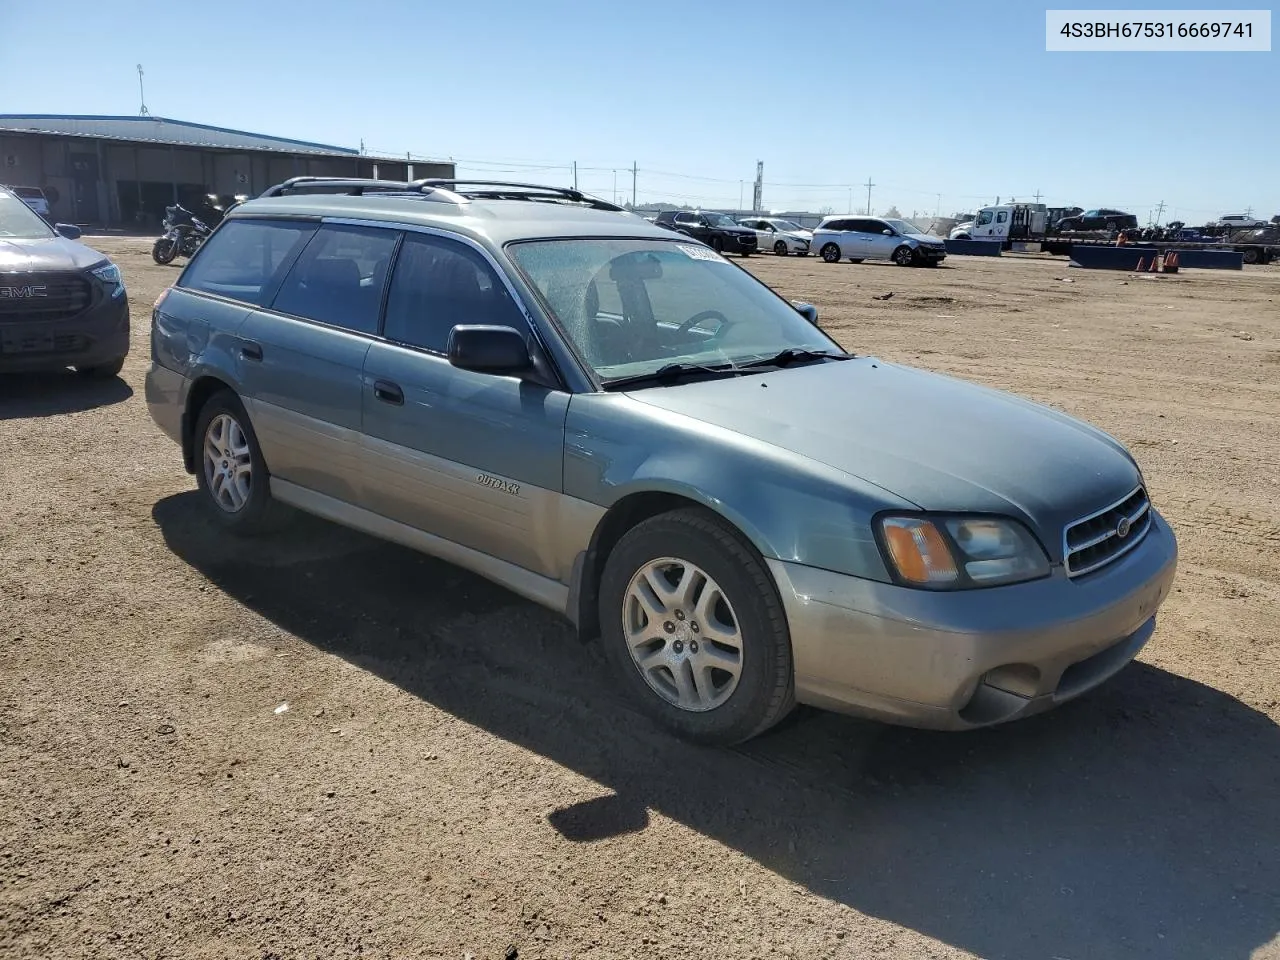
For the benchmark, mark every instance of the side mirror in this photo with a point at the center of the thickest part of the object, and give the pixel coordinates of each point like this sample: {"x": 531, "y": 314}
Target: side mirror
{"x": 489, "y": 349}
{"x": 68, "y": 230}
{"x": 887, "y": 233}
{"x": 806, "y": 310}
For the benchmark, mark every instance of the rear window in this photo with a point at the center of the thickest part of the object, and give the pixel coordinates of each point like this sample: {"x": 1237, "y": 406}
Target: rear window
{"x": 245, "y": 258}
{"x": 29, "y": 193}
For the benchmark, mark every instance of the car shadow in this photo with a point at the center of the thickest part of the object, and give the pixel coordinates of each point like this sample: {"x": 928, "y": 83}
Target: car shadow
{"x": 1139, "y": 821}
{"x": 58, "y": 392}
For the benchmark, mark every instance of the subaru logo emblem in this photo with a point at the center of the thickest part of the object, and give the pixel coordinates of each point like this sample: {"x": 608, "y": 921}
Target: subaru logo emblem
{"x": 1123, "y": 527}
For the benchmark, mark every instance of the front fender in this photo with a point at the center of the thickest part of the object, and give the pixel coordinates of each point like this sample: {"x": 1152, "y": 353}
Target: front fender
{"x": 789, "y": 507}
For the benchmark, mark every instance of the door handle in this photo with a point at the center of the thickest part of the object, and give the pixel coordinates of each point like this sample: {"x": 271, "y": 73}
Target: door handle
{"x": 251, "y": 350}
{"x": 388, "y": 392}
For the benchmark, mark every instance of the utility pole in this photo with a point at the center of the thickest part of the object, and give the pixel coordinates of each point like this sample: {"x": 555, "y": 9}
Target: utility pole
{"x": 633, "y": 184}
{"x": 1038, "y": 195}
{"x": 575, "y": 174}
{"x": 757, "y": 195}
{"x": 615, "y": 186}
{"x": 868, "y": 185}
{"x": 937, "y": 211}
{"x": 850, "y": 206}
{"x": 1159, "y": 212}
{"x": 142, "y": 97}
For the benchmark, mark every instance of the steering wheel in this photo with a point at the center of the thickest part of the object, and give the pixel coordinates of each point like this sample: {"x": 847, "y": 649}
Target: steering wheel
{"x": 704, "y": 315}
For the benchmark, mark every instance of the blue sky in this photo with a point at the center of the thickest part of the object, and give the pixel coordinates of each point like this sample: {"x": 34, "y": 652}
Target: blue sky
{"x": 925, "y": 98}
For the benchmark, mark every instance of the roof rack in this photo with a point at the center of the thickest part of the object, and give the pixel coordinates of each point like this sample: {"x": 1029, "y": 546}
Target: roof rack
{"x": 449, "y": 190}
{"x": 513, "y": 190}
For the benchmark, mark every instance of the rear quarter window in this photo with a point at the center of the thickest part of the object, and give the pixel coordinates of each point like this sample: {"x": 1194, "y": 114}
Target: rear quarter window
{"x": 245, "y": 258}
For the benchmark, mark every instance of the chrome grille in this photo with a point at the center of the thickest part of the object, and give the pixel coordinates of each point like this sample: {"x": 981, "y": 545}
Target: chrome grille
{"x": 1094, "y": 541}
{"x": 42, "y": 296}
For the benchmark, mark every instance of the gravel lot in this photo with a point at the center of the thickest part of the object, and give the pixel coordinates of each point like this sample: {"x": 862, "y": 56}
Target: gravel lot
{"x": 455, "y": 774}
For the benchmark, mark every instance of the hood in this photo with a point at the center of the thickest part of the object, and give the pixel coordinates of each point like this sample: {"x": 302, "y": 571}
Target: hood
{"x": 46, "y": 253}
{"x": 941, "y": 443}
{"x": 926, "y": 238}
{"x": 800, "y": 234}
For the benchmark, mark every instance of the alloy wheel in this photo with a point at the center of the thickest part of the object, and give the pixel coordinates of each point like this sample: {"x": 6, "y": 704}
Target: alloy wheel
{"x": 228, "y": 463}
{"x": 682, "y": 634}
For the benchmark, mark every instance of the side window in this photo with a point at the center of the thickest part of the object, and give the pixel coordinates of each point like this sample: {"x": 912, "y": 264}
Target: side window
{"x": 244, "y": 259}
{"x": 686, "y": 218}
{"x": 864, "y": 226}
{"x": 438, "y": 284}
{"x": 339, "y": 277}
{"x": 984, "y": 218}
{"x": 1002, "y": 216}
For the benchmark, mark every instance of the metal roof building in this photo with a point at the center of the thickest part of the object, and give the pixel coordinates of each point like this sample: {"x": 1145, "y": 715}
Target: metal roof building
{"x": 125, "y": 170}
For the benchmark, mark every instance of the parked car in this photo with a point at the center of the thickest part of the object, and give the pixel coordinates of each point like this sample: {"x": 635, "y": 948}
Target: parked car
{"x": 780, "y": 236}
{"x": 62, "y": 304}
{"x": 34, "y": 198}
{"x": 1111, "y": 220}
{"x": 719, "y": 231}
{"x": 573, "y": 404}
{"x": 875, "y": 238}
{"x": 1240, "y": 221}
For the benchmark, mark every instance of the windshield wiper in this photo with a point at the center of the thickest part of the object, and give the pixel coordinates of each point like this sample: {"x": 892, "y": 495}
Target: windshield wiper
{"x": 791, "y": 354}
{"x": 670, "y": 372}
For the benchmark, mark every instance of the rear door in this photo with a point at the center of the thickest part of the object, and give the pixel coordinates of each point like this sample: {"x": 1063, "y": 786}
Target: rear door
{"x": 303, "y": 357}
{"x": 474, "y": 458}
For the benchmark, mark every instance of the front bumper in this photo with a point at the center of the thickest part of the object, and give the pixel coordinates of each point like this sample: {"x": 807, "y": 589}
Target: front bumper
{"x": 936, "y": 254}
{"x": 98, "y": 335}
{"x": 964, "y": 659}
{"x": 733, "y": 243}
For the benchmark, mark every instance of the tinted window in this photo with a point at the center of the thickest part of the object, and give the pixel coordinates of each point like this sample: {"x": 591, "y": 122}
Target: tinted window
{"x": 837, "y": 225}
{"x": 339, "y": 277}
{"x": 1002, "y": 216}
{"x": 438, "y": 284}
{"x": 867, "y": 226}
{"x": 245, "y": 257}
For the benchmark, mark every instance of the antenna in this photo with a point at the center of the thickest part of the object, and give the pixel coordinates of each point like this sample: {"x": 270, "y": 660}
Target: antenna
{"x": 142, "y": 97}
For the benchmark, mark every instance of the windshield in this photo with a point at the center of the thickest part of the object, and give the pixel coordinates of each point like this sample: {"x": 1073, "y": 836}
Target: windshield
{"x": 19, "y": 221}
{"x": 903, "y": 227}
{"x": 29, "y": 193}
{"x": 630, "y": 307}
{"x": 786, "y": 225}
{"x": 721, "y": 220}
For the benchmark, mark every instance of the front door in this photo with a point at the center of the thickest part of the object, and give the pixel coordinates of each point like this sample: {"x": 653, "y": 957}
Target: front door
{"x": 473, "y": 458}
{"x": 871, "y": 238}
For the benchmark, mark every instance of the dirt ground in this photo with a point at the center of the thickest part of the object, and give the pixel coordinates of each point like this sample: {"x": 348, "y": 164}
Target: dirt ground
{"x": 454, "y": 774}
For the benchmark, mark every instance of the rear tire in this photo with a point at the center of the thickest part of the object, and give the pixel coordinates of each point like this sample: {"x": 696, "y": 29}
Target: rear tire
{"x": 730, "y": 595}
{"x": 831, "y": 253}
{"x": 102, "y": 371}
{"x": 230, "y": 470}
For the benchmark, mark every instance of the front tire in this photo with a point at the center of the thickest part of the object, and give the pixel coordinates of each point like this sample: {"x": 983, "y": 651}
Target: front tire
{"x": 695, "y": 630}
{"x": 102, "y": 371}
{"x": 830, "y": 253}
{"x": 717, "y": 244}
{"x": 164, "y": 250}
{"x": 904, "y": 256}
{"x": 780, "y": 248}
{"x": 230, "y": 470}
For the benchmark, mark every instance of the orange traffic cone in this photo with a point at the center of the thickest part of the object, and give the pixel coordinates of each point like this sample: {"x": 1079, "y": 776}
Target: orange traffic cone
{"x": 1155, "y": 266}
{"x": 1138, "y": 268}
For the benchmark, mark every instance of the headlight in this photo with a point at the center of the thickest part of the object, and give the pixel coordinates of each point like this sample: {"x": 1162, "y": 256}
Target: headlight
{"x": 959, "y": 552}
{"x": 109, "y": 274}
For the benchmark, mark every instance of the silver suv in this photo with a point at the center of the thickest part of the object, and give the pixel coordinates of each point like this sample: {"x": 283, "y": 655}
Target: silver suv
{"x": 619, "y": 423}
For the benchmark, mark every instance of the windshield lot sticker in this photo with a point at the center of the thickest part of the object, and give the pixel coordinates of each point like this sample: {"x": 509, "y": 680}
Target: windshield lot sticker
{"x": 701, "y": 253}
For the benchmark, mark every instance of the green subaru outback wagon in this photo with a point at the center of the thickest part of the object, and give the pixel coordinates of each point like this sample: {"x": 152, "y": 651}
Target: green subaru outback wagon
{"x": 618, "y": 423}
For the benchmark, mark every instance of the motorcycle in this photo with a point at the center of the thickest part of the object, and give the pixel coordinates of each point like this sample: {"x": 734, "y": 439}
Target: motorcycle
{"x": 183, "y": 234}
